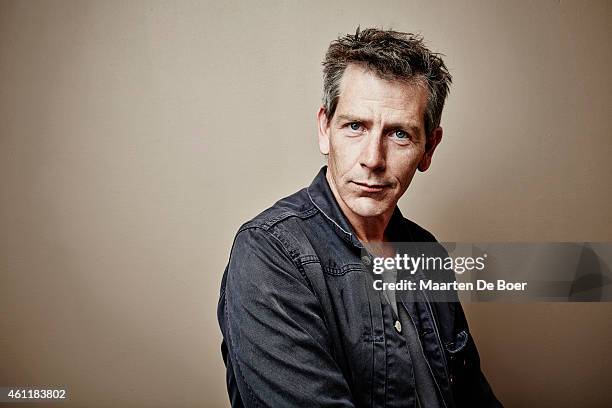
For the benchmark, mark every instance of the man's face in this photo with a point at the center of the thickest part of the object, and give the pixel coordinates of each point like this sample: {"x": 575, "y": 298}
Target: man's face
{"x": 375, "y": 141}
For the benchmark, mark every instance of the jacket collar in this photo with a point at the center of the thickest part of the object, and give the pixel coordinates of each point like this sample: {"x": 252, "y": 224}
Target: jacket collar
{"x": 323, "y": 198}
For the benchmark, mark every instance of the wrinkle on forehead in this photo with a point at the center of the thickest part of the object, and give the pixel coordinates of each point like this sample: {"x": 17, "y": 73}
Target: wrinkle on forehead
{"x": 354, "y": 67}
{"x": 394, "y": 103}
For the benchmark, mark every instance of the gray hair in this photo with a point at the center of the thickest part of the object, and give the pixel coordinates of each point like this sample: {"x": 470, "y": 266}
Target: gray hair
{"x": 392, "y": 55}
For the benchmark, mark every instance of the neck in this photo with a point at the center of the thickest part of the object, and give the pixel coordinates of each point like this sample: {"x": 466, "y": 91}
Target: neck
{"x": 368, "y": 229}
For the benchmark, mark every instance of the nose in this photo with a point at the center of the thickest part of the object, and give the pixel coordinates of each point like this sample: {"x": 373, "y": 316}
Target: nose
{"x": 373, "y": 153}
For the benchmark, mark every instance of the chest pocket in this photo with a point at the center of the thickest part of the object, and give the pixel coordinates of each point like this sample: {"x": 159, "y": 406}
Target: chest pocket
{"x": 352, "y": 303}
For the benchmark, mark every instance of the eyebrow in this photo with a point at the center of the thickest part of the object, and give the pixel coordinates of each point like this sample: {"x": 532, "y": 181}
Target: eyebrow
{"x": 392, "y": 125}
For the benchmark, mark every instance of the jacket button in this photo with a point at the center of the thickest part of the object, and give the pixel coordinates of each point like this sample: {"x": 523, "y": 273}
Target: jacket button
{"x": 366, "y": 260}
{"x": 398, "y": 326}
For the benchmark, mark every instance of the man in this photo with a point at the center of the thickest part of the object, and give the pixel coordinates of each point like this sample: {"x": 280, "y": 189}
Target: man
{"x": 302, "y": 325}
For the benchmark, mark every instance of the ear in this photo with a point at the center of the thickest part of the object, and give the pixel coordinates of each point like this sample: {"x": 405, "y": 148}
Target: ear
{"x": 432, "y": 142}
{"x": 323, "y": 130}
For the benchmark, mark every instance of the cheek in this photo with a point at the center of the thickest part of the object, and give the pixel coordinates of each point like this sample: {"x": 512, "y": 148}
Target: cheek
{"x": 406, "y": 166}
{"x": 342, "y": 152}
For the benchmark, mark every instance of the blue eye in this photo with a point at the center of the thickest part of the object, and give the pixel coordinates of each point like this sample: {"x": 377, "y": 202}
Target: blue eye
{"x": 400, "y": 134}
{"x": 355, "y": 126}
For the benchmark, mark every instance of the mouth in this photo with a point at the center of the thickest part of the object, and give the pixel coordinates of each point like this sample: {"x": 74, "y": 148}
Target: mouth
{"x": 371, "y": 187}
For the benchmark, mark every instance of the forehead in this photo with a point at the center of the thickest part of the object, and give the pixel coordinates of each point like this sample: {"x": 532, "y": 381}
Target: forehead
{"x": 364, "y": 92}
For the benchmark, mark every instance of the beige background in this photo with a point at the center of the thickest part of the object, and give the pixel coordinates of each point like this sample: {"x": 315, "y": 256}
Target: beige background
{"x": 135, "y": 137}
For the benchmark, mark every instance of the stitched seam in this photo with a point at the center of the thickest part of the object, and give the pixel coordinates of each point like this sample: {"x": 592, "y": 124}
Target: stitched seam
{"x": 269, "y": 223}
{"x": 308, "y": 259}
{"x": 339, "y": 271}
{"x": 326, "y": 216}
{"x": 303, "y": 215}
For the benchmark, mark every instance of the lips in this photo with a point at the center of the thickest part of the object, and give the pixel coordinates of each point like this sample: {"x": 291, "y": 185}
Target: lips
{"x": 371, "y": 187}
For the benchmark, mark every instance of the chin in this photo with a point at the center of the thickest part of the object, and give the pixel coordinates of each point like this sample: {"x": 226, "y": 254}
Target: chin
{"x": 367, "y": 207}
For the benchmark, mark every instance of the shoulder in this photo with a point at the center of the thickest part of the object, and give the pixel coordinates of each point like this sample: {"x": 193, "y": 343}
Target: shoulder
{"x": 297, "y": 205}
{"x": 265, "y": 248}
{"x": 277, "y": 233}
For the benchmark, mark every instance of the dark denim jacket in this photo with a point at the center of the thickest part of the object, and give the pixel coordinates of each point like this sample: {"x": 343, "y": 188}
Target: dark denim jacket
{"x": 303, "y": 327}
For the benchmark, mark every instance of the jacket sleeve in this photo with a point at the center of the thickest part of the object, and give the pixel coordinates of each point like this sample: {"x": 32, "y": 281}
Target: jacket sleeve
{"x": 277, "y": 345}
